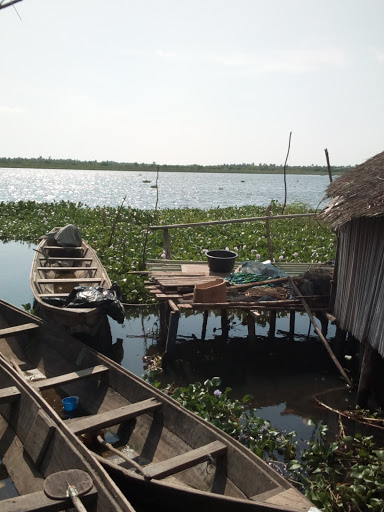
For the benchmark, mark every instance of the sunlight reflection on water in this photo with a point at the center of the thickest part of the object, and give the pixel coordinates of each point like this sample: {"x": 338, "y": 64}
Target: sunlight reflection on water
{"x": 176, "y": 190}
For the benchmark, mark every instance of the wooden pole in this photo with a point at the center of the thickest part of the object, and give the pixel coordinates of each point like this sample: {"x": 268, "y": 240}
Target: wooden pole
{"x": 268, "y": 233}
{"x": 170, "y": 347}
{"x": 233, "y": 221}
{"x": 205, "y": 321}
{"x": 224, "y": 325}
{"x": 272, "y": 324}
{"x": 328, "y": 165}
{"x": 167, "y": 244}
{"x": 251, "y": 328}
{"x": 320, "y": 334}
{"x": 292, "y": 318}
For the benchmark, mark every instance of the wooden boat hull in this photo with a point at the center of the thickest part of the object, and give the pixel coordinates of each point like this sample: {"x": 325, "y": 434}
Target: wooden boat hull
{"x": 55, "y": 272}
{"x": 34, "y": 446}
{"x": 184, "y": 461}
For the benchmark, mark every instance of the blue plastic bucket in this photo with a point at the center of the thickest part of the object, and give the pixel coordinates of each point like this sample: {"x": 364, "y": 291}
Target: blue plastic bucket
{"x": 70, "y": 403}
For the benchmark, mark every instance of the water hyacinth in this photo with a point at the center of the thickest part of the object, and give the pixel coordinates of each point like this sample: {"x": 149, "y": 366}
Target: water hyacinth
{"x": 124, "y": 243}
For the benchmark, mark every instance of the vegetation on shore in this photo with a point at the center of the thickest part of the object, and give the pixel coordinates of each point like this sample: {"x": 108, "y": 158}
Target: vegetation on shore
{"x": 252, "y": 168}
{"x": 123, "y": 240}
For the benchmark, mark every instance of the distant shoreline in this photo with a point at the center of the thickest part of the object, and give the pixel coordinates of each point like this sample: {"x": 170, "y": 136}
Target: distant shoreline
{"x": 54, "y": 164}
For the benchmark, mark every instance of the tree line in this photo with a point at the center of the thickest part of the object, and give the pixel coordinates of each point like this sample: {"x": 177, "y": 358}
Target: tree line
{"x": 251, "y": 168}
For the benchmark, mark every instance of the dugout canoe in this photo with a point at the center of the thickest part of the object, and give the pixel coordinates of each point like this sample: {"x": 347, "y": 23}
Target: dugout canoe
{"x": 38, "y": 453}
{"x": 178, "y": 461}
{"x": 55, "y": 272}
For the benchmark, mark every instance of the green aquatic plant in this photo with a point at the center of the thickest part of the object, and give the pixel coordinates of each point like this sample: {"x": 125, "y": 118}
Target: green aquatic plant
{"x": 345, "y": 475}
{"x": 235, "y": 417}
{"x": 123, "y": 239}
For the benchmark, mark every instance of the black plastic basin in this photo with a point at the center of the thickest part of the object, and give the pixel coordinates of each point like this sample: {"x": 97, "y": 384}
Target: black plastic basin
{"x": 221, "y": 261}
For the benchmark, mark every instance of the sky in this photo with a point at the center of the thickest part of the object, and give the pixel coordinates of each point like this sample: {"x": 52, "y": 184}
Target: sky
{"x": 193, "y": 81}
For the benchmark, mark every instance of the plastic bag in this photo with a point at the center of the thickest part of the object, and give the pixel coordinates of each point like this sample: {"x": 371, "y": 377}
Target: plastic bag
{"x": 68, "y": 236}
{"x": 263, "y": 269}
{"x": 93, "y": 297}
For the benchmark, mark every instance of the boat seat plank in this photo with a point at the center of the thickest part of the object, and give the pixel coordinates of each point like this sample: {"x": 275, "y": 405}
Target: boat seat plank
{"x": 113, "y": 417}
{"x": 53, "y": 294}
{"x": 61, "y": 269}
{"x": 74, "y": 280}
{"x": 60, "y": 248}
{"x": 18, "y": 328}
{"x": 65, "y": 258}
{"x": 69, "y": 377}
{"x": 184, "y": 461}
{"x": 8, "y": 395}
{"x": 39, "y": 501}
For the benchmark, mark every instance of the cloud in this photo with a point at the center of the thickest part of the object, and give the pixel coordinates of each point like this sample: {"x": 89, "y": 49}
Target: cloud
{"x": 12, "y": 110}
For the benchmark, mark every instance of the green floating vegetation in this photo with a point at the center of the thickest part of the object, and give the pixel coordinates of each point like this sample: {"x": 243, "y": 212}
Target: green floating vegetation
{"x": 346, "y": 475}
{"x": 123, "y": 240}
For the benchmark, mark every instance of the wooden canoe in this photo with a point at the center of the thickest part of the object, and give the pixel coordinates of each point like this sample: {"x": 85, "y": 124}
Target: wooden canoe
{"x": 55, "y": 272}
{"x": 36, "y": 449}
{"x": 180, "y": 461}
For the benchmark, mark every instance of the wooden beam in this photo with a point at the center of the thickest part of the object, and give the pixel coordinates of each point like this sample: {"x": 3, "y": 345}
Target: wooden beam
{"x": 106, "y": 419}
{"x": 184, "y": 461}
{"x": 233, "y": 221}
{"x": 69, "y": 377}
{"x": 8, "y": 395}
{"x": 320, "y": 334}
{"x": 65, "y": 269}
{"x": 70, "y": 281}
{"x": 39, "y": 502}
{"x": 18, "y": 328}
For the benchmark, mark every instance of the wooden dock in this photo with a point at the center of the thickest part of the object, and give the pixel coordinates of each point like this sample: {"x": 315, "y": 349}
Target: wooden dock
{"x": 172, "y": 283}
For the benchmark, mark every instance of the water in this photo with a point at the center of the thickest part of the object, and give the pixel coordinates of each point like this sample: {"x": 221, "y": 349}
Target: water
{"x": 175, "y": 190}
{"x": 282, "y": 394}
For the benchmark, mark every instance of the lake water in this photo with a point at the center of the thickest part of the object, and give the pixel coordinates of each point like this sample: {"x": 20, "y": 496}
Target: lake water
{"x": 282, "y": 396}
{"x": 175, "y": 189}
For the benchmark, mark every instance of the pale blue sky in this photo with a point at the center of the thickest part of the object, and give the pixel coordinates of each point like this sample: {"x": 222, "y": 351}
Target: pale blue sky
{"x": 197, "y": 81}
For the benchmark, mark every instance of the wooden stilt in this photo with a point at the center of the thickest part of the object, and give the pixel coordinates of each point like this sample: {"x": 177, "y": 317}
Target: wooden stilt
{"x": 224, "y": 325}
{"x": 172, "y": 334}
{"x": 204, "y": 329}
{"x": 251, "y": 328}
{"x": 366, "y": 377}
{"x": 272, "y": 324}
{"x": 292, "y": 318}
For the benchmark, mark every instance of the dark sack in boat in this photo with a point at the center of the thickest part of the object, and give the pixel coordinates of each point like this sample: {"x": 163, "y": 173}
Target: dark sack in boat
{"x": 68, "y": 236}
{"x": 93, "y": 297}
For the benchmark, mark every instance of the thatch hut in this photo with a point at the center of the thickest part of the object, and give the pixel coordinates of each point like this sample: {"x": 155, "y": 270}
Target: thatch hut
{"x": 356, "y": 213}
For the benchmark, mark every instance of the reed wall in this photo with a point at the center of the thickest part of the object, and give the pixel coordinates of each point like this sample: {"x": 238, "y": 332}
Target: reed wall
{"x": 359, "y": 301}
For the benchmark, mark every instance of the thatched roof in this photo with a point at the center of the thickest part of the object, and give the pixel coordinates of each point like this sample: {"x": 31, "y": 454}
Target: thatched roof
{"x": 358, "y": 193}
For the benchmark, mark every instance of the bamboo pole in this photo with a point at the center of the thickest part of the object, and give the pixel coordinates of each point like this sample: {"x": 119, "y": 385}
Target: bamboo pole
{"x": 320, "y": 334}
{"x": 234, "y": 221}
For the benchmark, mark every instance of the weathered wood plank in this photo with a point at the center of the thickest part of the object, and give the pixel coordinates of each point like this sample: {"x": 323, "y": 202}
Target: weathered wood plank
{"x": 69, "y": 377}
{"x": 39, "y": 502}
{"x": 72, "y": 280}
{"x": 64, "y": 269}
{"x": 18, "y": 328}
{"x": 113, "y": 417}
{"x": 39, "y": 437}
{"x": 184, "y": 461}
{"x": 65, "y": 258}
{"x": 59, "y": 248}
{"x": 8, "y": 395}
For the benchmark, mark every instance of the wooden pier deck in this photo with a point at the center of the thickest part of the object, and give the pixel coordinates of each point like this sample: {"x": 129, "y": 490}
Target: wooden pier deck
{"x": 172, "y": 283}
